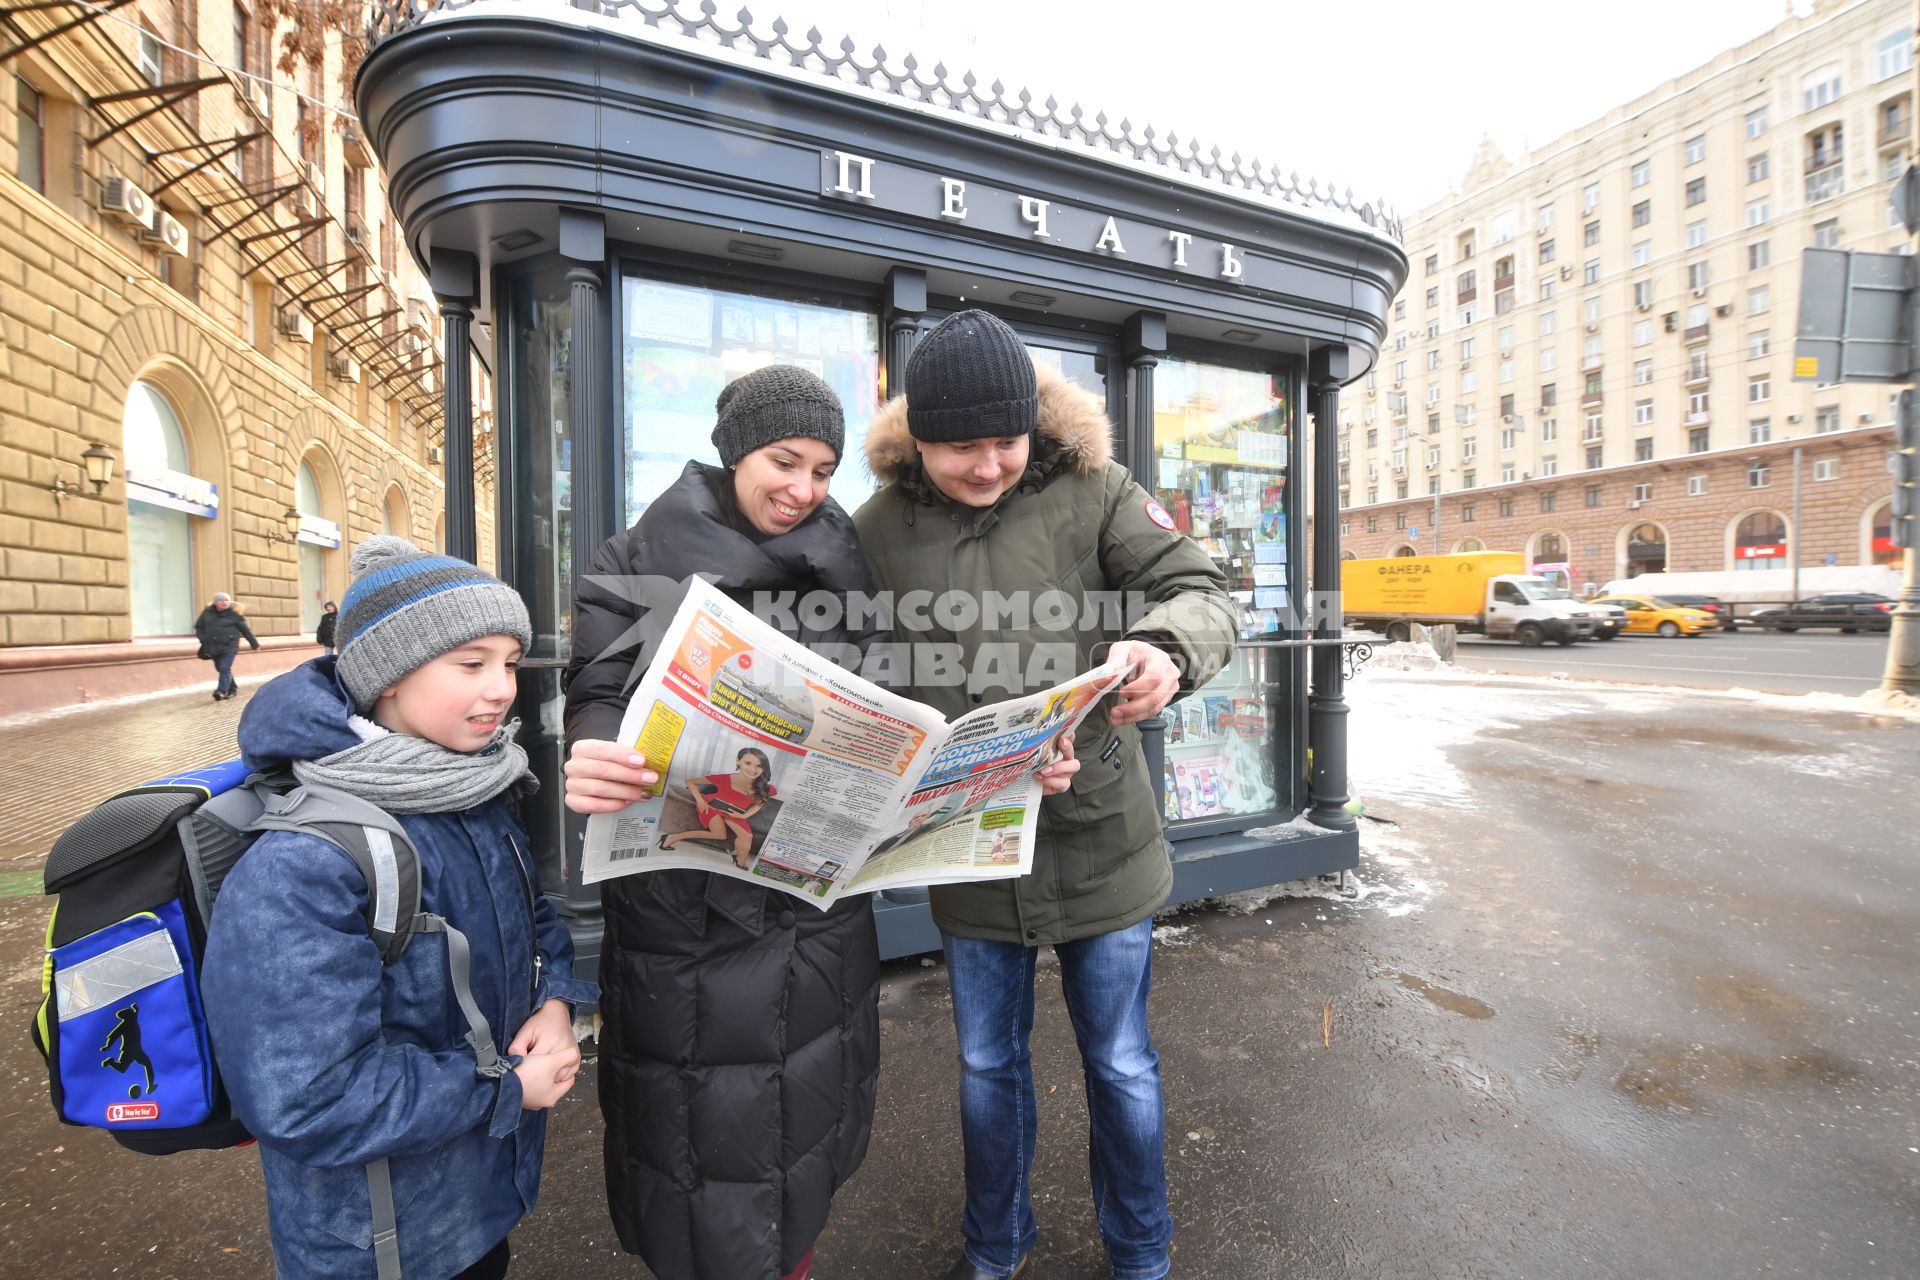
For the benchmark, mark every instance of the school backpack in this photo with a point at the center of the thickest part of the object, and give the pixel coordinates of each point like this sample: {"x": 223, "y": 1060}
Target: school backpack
{"x": 121, "y": 1022}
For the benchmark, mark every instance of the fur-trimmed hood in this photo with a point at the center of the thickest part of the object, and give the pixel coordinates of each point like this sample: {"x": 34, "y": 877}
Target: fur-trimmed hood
{"x": 1072, "y": 419}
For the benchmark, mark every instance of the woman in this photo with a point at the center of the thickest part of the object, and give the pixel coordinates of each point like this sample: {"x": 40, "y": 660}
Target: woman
{"x": 741, "y": 1036}
{"x": 726, "y": 802}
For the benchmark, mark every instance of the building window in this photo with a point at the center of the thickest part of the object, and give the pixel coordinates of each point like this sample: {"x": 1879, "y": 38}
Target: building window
{"x": 1593, "y": 429}
{"x": 1697, "y": 439}
{"x": 1593, "y": 496}
{"x": 1467, "y": 479}
{"x": 152, "y": 59}
{"x": 1549, "y": 357}
{"x": 1506, "y": 501}
{"x": 1508, "y": 436}
{"x": 1642, "y": 373}
{"x": 1643, "y": 492}
{"x": 1696, "y": 275}
{"x": 1696, "y": 192}
{"x": 1543, "y": 219}
{"x": 1758, "y": 167}
{"x": 1546, "y": 252}
{"x": 1373, "y": 496}
{"x": 1759, "y": 343}
{"x": 1466, "y": 513}
{"x": 1433, "y": 263}
{"x": 1896, "y": 53}
{"x": 1549, "y": 501}
{"x": 1549, "y": 397}
{"x": 1546, "y": 288}
{"x": 1820, "y": 89}
{"x": 1643, "y": 449}
{"x": 1549, "y": 466}
{"x": 1760, "y": 388}
{"x": 1826, "y": 468}
{"x": 1826, "y": 419}
{"x": 1696, "y": 149}
{"x": 1373, "y": 524}
{"x": 1594, "y": 457}
{"x": 161, "y": 532}
{"x": 1826, "y": 235}
{"x": 1642, "y": 414}
{"x": 1697, "y": 234}
{"x": 1433, "y": 297}
{"x": 1757, "y": 212}
{"x": 1643, "y": 213}
{"x": 1590, "y": 198}
{"x": 1756, "y": 122}
{"x": 1696, "y": 485}
{"x": 1549, "y": 321}
{"x": 1643, "y": 294}
{"x": 1400, "y": 309}
{"x": 1759, "y": 254}
{"x": 1757, "y": 474}
{"x": 1400, "y": 520}
{"x": 30, "y": 120}
{"x": 1759, "y": 301}
{"x": 1591, "y": 274}
{"x": 1697, "y": 364}
{"x": 1433, "y": 424}
{"x": 1759, "y": 430}
{"x": 1593, "y": 233}
{"x": 1468, "y": 448}
{"x": 1642, "y": 332}
{"x": 1641, "y": 173}
{"x": 1697, "y": 405}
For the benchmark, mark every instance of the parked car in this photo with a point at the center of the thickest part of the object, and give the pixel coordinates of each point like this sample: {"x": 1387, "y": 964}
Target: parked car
{"x": 1657, "y": 616}
{"x": 1706, "y": 604}
{"x": 1850, "y": 611}
{"x": 1609, "y": 620}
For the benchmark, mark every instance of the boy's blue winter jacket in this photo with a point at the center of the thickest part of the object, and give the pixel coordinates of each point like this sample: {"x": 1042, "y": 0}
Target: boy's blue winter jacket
{"x": 333, "y": 1060}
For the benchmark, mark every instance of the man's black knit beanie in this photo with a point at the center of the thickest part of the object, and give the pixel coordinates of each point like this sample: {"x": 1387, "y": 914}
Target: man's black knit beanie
{"x": 777, "y": 402}
{"x": 969, "y": 379}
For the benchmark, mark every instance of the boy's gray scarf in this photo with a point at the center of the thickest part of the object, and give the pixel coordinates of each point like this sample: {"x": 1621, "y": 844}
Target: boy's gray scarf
{"x": 405, "y": 774}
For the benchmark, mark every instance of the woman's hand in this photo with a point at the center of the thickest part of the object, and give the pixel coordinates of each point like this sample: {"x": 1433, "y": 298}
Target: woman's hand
{"x": 1156, "y": 680}
{"x": 1058, "y": 776}
{"x": 605, "y": 777}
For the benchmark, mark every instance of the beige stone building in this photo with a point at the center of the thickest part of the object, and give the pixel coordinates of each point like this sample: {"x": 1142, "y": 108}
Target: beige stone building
{"x": 199, "y": 283}
{"x": 1592, "y": 360}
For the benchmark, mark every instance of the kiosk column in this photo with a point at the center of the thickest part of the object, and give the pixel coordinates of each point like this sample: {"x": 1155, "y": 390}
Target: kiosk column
{"x": 1327, "y": 705}
{"x": 453, "y": 276}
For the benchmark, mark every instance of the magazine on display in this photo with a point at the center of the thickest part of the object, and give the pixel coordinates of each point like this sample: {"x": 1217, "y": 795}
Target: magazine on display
{"x": 780, "y": 768}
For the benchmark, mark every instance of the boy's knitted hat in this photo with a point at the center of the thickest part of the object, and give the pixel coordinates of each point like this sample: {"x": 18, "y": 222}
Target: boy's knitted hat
{"x": 406, "y": 607}
{"x": 777, "y": 402}
{"x": 970, "y": 378}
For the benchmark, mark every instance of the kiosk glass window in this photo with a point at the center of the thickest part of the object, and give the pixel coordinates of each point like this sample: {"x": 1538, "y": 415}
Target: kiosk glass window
{"x": 159, "y": 538}
{"x": 682, "y": 343}
{"x": 1221, "y": 444}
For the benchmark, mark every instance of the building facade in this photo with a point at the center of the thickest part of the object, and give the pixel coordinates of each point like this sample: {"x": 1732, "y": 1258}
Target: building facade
{"x": 200, "y": 285}
{"x": 1592, "y": 361}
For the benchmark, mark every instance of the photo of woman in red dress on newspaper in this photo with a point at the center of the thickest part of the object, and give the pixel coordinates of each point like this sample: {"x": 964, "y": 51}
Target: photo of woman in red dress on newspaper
{"x": 725, "y": 801}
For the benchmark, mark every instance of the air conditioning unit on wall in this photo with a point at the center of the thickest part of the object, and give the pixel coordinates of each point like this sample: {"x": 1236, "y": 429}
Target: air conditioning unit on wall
{"x": 344, "y": 366}
{"x": 170, "y": 234}
{"x": 127, "y": 202}
{"x": 295, "y": 324}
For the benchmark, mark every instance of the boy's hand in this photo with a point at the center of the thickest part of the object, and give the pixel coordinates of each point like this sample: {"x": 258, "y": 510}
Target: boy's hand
{"x": 605, "y": 777}
{"x": 1155, "y": 681}
{"x": 1058, "y": 776}
{"x": 545, "y": 1079}
{"x": 549, "y": 1030}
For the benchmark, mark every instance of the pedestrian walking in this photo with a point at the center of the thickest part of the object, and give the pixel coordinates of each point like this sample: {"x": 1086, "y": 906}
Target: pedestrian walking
{"x": 999, "y": 477}
{"x": 742, "y": 1038}
{"x": 323, "y": 631}
{"x": 393, "y": 1141}
{"x": 221, "y": 627}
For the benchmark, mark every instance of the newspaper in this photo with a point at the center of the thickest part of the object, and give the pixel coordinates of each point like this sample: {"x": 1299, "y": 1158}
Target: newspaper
{"x": 780, "y": 768}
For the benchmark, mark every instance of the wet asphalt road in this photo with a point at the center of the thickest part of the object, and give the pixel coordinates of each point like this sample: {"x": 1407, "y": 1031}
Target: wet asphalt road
{"x": 1805, "y": 662}
{"x": 1633, "y": 990}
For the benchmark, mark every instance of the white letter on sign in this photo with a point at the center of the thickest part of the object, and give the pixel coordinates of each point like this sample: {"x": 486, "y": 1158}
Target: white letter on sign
{"x": 953, "y": 199}
{"x": 1180, "y": 242}
{"x": 847, "y": 164}
{"x": 1110, "y": 239}
{"x": 1034, "y": 213}
{"x": 1229, "y": 265}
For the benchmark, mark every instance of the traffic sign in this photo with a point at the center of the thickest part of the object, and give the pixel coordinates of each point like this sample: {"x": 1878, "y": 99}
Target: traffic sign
{"x": 1854, "y": 323}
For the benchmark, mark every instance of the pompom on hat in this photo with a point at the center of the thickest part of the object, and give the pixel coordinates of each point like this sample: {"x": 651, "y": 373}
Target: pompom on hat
{"x": 406, "y": 607}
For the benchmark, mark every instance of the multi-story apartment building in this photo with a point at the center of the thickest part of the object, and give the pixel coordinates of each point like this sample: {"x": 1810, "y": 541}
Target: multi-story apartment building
{"x": 1592, "y": 360}
{"x": 201, "y": 287}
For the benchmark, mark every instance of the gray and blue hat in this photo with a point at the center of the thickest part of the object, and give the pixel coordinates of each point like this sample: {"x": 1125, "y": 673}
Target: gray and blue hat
{"x": 406, "y": 607}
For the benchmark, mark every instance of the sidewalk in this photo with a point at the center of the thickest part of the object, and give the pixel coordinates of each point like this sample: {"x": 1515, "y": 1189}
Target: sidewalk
{"x": 1627, "y": 980}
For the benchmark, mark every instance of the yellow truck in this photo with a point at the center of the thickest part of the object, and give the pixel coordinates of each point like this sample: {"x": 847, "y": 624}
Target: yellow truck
{"x": 1485, "y": 592}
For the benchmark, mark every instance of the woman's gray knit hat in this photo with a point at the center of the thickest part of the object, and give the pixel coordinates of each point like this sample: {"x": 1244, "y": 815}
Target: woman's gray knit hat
{"x": 777, "y": 402}
{"x": 971, "y": 378}
{"x": 406, "y": 607}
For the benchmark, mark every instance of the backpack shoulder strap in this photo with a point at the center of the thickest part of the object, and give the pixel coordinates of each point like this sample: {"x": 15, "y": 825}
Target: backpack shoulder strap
{"x": 375, "y": 841}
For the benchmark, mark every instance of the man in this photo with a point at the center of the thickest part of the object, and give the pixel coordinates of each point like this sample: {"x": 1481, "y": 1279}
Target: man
{"x": 999, "y": 479}
{"x": 220, "y": 628}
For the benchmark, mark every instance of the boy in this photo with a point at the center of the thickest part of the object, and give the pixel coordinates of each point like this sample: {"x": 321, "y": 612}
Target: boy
{"x": 336, "y": 1062}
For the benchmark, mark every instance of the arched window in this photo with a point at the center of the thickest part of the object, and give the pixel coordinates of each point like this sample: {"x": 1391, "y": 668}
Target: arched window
{"x": 1466, "y": 545}
{"x": 1646, "y": 550}
{"x": 161, "y": 508}
{"x": 393, "y": 514}
{"x": 1404, "y": 552}
{"x": 316, "y": 494}
{"x": 1880, "y": 548}
{"x": 1760, "y": 541}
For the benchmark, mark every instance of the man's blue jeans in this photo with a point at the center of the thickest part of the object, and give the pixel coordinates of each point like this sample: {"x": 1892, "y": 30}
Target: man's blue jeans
{"x": 223, "y": 668}
{"x": 1105, "y": 980}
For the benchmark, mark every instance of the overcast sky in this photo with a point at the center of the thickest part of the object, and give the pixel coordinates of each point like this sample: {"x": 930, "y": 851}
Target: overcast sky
{"x": 1388, "y": 97}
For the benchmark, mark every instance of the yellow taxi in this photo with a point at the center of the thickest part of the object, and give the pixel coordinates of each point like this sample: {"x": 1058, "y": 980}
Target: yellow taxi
{"x": 1652, "y": 616}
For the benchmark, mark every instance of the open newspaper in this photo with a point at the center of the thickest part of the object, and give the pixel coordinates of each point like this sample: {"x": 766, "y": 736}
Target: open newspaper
{"x": 781, "y": 768}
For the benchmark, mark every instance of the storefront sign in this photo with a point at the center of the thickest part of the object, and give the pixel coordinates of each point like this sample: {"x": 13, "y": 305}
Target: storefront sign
{"x": 319, "y": 532}
{"x": 1760, "y": 551}
{"x": 863, "y": 180}
{"x": 174, "y": 490}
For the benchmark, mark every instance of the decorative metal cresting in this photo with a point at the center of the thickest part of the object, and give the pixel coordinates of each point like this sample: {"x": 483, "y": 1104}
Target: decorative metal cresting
{"x": 843, "y": 63}
{"x": 1353, "y": 656}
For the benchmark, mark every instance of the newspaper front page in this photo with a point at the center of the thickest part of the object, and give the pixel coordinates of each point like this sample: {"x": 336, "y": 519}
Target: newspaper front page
{"x": 780, "y": 768}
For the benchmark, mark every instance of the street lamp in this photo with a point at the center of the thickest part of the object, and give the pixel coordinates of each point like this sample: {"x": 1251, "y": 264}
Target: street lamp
{"x": 97, "y": 463}
{"x": 292, "y": 518}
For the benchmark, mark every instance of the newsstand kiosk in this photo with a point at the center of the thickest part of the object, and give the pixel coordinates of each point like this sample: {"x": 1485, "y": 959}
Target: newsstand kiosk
{"x": 623, "y": 207}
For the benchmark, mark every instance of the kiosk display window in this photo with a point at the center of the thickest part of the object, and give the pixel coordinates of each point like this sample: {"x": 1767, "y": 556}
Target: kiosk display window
{"x": 682, "y": 343}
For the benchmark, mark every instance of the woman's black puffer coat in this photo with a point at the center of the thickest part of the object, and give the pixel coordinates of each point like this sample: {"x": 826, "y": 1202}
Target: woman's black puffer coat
{"x": 741, "y": 1040}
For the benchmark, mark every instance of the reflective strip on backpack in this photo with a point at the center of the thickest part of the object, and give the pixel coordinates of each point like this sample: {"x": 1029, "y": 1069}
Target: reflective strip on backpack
{"x": 114, "y": 975}
{"x": 386, "y": 886}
